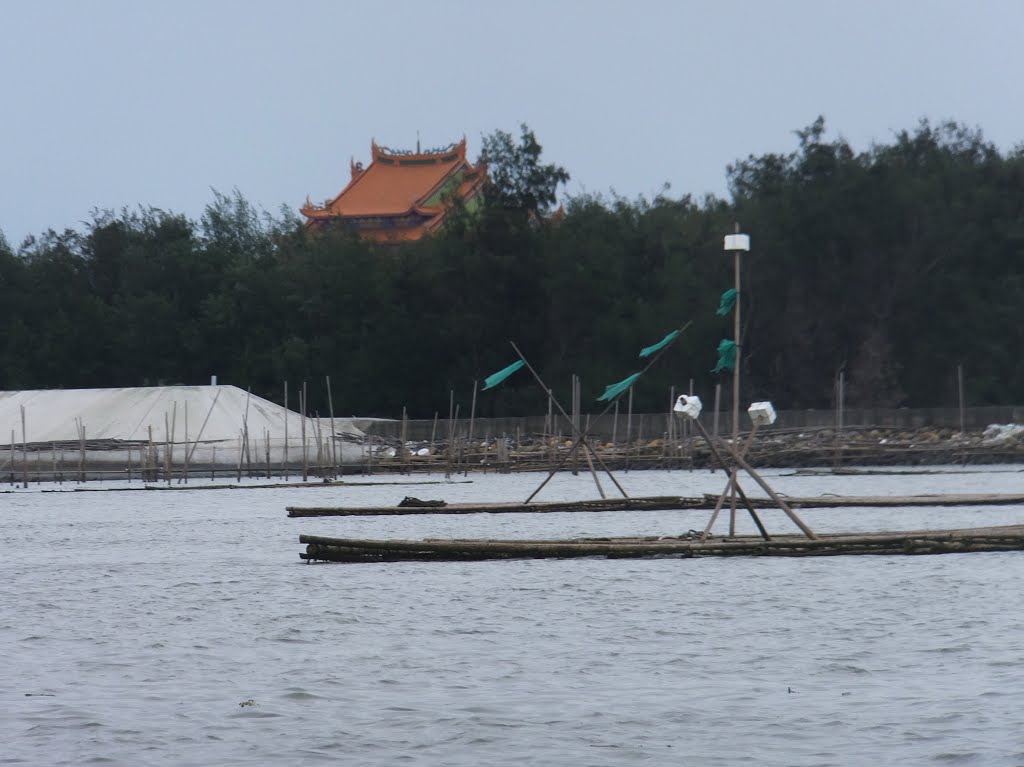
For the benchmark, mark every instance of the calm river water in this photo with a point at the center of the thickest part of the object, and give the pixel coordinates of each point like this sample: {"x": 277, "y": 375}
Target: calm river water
{"x": 134, "y": 625}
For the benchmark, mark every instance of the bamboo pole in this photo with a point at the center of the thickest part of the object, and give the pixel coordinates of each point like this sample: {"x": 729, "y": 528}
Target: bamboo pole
{"x": 960, "y": 394}
{"x": 203, "y": 427}
{"x": 615, "y": 429}
{"x": 640, "y": 439}
{"x": 771, "y": 493}
{"x": 736, "y": 378}
{"x": 319, "y": 437}
{"x": 245, "y": 437}
{"x": 840, "y": 396}
{"x": 81, "y": 451}
{"x": 456, "y": 440}
{"x": 629, "y": 426}
{"x": 167, "y": 448}
{"x": 732, "y": 485}
{"x": 433, "y": 434}
{"x": 688, "y": 436}
{"x": 718, "y": 407}
{"x": 170, "y": 444}
{"x": 402, "y": 451}
{"x": 580, "y": 436}
{"x": 284, "y": 459}
{"x": 333, "y": 443}
{"x": 241, "y": 454}
{"x": 451, "y": 438}
{"x": 305, "y": 444}
{"x": 666, "y": 450}
{"x": 24, "y": 450}
{"x": 472, "y": 417}
{"x": 550, "y": 423}
{"x": 186, "y": 445}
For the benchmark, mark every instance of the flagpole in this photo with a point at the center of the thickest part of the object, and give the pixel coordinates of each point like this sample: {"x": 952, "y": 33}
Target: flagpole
{"x": 737, "y": 243}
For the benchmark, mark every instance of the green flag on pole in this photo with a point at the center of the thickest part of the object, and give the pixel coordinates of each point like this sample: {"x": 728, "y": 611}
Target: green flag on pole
{"x": 647, "y": 351}
{"x": 493, "y": 380}
{"x": 613, "y": 391}
{"x": 726, "y": 356}
{"x": 727, "y": 302}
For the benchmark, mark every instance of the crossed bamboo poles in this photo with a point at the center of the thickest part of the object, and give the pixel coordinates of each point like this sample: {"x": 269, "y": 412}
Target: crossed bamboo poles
{"x": 581, "y": 436}
{"x": 732, "y": 484}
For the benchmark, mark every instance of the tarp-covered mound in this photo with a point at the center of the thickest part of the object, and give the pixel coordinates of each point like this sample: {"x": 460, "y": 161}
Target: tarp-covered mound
{"x": 115, "y": 432}
{"x": 54, "y": 415}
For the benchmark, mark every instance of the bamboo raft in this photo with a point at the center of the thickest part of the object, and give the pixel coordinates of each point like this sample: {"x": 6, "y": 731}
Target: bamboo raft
{"x": 356, "y": 550}
{"x": 658, "y": 503}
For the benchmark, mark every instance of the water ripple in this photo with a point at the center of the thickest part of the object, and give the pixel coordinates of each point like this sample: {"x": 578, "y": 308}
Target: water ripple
{"x": 157, "y": 615}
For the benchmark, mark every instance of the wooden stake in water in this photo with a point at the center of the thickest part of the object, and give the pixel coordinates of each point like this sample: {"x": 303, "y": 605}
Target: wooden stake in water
{"x": 472, "y": 416}
{"x": 186, "y": 444}
{"x": 284, "y": 459}
{"x": 960, "y": 397}
{"x": 81, "y": 450}
{"x": 167, "y": 448}
{"x": 451, "y": 434}
{"x": 245, "y": 437}
{"x": 334, "y": 441}
{"x": 840, "y": 396}
{"x": 629, "y": 426}
{"x": 24, "y": 449}
{"x": 403, "y": 453}
{"x": 305, "y": 445}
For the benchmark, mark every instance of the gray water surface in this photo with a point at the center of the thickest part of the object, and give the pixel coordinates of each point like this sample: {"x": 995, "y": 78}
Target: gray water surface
{"x": 134, "y": 624}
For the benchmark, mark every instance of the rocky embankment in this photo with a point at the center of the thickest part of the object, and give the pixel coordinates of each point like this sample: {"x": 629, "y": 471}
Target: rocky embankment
{"x": 795, "y": 448}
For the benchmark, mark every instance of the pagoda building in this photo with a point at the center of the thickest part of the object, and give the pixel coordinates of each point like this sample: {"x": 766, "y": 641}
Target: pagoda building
{"x": 402, "y": 195}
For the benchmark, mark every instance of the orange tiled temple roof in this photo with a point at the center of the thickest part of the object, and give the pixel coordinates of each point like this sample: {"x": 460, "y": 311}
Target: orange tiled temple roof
{"x": 399, "y": 196}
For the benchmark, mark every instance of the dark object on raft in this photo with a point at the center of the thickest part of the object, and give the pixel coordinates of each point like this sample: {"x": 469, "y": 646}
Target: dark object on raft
{"x": 980, "y": 539}
{"x": 416, "y": 503}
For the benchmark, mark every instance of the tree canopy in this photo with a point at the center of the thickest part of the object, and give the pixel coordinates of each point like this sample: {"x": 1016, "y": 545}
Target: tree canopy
{"x": 895, "y": 263}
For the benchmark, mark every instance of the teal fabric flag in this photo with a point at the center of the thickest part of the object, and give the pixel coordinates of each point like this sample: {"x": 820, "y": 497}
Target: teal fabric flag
{"x": 647, "y": 351}
{"x": 726, "y": 356}
{"x": 493, "y": 380}
{"x": 727, "y": 302}
{"x": 613, "y": 391}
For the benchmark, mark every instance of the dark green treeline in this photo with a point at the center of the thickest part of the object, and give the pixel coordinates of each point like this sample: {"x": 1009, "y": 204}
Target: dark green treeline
{"x": 895, "y": 264}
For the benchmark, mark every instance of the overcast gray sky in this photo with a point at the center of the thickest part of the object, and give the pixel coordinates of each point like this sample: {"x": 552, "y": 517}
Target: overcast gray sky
{"x": 116, "y": 103}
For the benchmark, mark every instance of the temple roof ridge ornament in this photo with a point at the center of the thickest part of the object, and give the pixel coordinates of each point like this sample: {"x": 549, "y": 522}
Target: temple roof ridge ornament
{"x": 455, "y": 147}
{"x": 400, "y": 195}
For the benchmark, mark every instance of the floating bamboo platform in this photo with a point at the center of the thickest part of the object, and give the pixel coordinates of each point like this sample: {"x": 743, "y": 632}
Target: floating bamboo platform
{"x": 648, "y": 503}
{"x": 657, "y": 503}
{"x": 356, "y": 550}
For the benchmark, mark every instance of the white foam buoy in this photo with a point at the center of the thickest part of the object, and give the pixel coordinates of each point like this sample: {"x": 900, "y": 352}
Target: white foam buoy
{"x": 688, "y": 405}
{"x": 762, "y": 413}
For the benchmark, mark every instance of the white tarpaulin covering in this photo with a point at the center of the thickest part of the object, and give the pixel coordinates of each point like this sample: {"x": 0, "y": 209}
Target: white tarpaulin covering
{"x": 164, "y": 426}
{"x": 51, "y": 415}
